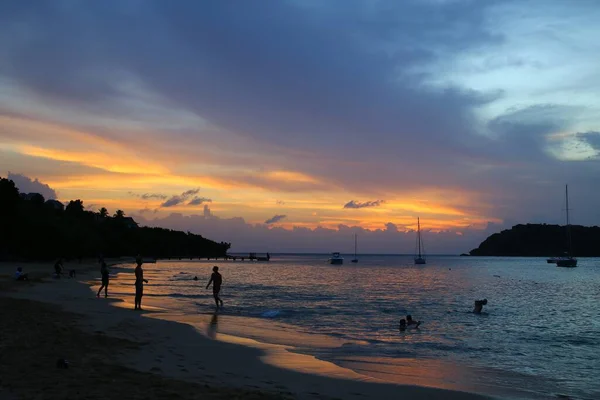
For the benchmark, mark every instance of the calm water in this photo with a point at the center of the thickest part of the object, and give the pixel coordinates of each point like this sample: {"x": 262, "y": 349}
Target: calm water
{"x": 541, "y": 321}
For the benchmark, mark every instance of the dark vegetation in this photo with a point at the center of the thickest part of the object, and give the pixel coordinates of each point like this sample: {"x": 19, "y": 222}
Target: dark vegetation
{"x": 34, "y": 229}
{"x": 541, "y": 240}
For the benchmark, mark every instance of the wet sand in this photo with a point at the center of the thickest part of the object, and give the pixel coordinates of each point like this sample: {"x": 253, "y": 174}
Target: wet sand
{"x": 116, "y": 352}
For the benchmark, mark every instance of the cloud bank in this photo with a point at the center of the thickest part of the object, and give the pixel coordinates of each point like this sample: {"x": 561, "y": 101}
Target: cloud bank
{"x": 27, "y": 185}
{"x": 427, "y": 104}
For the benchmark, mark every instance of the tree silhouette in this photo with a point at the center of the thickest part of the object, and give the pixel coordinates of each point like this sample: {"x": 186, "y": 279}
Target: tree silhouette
{"x": 103, "y": 212}
{"x": 9, "y": 196}
{"x": 75, "y": 207}
{"x": 29, "y": 231}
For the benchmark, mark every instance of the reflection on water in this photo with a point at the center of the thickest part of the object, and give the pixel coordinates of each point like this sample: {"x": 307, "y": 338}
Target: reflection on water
{"x": 540, "y": 321}
{"x": 211, "y": 330}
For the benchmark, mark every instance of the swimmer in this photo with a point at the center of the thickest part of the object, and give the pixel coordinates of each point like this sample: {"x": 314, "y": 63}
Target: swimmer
{"x": 409, "y": 321}
{"x": 402, "y": 325}
{"x": 195, "y": 278}
{"x": 479, "y": 306}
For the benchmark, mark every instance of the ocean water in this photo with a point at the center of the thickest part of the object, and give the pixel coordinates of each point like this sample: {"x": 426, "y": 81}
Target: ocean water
{"x": 539, "y": 335}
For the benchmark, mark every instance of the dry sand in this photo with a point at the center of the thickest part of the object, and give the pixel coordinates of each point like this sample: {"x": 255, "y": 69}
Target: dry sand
{"x": 116, "y": 352}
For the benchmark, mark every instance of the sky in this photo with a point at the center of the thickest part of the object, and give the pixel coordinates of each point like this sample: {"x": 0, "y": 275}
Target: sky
{"x": 292, "y": 125}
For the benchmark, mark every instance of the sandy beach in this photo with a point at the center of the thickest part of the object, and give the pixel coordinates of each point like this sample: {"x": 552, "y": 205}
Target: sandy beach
{"x": 115, "y": 352}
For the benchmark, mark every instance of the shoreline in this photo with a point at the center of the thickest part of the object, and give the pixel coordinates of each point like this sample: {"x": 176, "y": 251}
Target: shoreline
{"x": 178, "y": 350}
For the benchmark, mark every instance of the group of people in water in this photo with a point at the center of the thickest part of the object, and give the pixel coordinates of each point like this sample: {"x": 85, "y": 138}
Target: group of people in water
{"x": 410, "y": 323}
{"x": 216, "y": 279}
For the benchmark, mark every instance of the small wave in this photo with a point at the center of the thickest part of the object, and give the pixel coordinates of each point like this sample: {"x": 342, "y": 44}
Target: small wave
{"x": 180, "y": 295}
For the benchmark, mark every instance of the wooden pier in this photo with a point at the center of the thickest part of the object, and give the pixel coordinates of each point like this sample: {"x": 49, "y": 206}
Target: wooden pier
{"x": 227, "y": 257}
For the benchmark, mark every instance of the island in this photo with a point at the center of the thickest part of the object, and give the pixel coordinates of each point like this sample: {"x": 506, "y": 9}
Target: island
{"x": 540, "y": 240}
{"x": 33, "y": 228}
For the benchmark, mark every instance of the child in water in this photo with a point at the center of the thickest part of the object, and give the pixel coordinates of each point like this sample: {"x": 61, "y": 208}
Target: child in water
{"x": 409, "y": 321}
{"x": 402, "y": 325}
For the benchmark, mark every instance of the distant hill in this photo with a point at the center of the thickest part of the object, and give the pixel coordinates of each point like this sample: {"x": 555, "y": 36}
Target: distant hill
{"x": 541, "y": 240}
{"x": 32, "y": 228}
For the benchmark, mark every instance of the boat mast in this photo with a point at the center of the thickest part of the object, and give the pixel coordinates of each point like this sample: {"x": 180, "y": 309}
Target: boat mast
{"x": 419, "y": 235}
{"x": 568, "y": 223}
{"x": 355, "y": 246}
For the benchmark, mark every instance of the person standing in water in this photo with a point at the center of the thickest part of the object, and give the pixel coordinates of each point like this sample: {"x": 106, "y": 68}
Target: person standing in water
{"x": 479, "y": 306}
{"x": 139, "y": 283}
{"x": 216, "y": 279}
{"x": 104, "y": 272}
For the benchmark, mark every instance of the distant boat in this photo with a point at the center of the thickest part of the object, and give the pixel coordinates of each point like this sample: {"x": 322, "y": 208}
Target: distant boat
{"x": 554, "y": 260}
{"x": 420, "y": 257}
{"x": 569, "y": 261}
{"x": 355, "y": 260}
{"x": 336, "y": 259}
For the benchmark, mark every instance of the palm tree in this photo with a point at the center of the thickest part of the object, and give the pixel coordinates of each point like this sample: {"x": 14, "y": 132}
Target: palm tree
{"x": 103, "y": 212}
{"x": 119, "y": 214}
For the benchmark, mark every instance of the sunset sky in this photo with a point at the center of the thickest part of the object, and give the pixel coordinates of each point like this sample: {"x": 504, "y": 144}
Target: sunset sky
{"x": 289, "y": 125}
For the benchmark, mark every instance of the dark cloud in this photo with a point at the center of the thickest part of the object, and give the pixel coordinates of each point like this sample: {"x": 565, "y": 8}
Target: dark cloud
{"x": 363, "y": 204}
{"x": 274, "y": 219}
{"x": 340, "y": 93}
{"x": 592, "y": 139}
{"x": 179, "y": 199}
{"x": 27, "y": 185}
{"x": 149, "y": 196}
{"x": 196, "y": 201}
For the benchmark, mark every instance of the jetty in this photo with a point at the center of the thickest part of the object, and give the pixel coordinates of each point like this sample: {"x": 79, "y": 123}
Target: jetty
{"x": 237, "y": 257}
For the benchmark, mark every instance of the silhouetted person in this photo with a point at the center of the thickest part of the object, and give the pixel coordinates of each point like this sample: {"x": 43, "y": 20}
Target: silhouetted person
{"x": 216, "y": 279}
{"x": 410, "y": 322}
{"x": 402, "y": 325}
{"x": 58, "y": 267}
{"x": 105, "y": 278}
{"x": 139, "y": 283}
{"x": 195, "y": 278}
{"x": 479, "y": 306}
{"x": 20, "y": 276}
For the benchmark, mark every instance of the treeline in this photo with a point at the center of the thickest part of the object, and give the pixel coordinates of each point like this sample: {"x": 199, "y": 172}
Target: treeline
{"x": 32, "y": 228}
{"x": 541, "y": 240}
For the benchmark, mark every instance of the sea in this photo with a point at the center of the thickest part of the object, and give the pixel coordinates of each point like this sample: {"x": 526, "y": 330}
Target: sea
{"x": 538, "y": 337}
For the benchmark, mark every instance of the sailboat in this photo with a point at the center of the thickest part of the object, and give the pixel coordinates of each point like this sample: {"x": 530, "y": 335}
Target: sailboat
{"x": 568, "y": 261}
{"x": 355, "y": 260}
{"x": 420, "y": 257}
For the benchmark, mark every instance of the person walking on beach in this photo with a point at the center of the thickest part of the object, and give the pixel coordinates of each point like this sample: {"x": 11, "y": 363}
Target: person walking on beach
{"x": 139, "y": 283}
{"x": 104, "y": 271}
{"x": 216, "y": 279}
